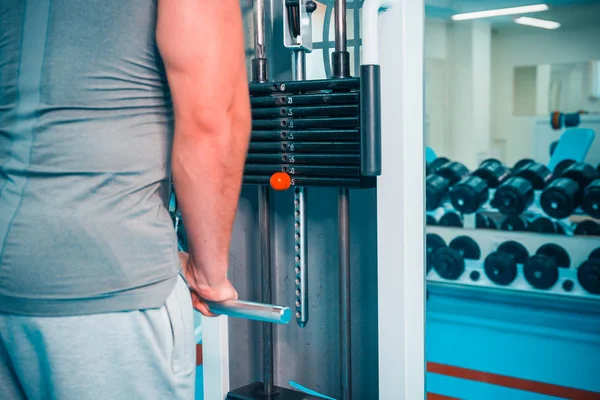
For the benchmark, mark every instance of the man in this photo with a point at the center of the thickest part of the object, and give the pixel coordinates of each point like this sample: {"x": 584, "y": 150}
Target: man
{"x": 91, "y": 302}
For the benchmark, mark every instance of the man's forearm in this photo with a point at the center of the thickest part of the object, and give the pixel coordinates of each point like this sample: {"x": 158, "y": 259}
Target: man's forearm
{"x": 208, "y": 162}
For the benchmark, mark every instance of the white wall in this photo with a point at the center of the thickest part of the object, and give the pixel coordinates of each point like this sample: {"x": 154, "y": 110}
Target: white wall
{"x": 513, "y": 135}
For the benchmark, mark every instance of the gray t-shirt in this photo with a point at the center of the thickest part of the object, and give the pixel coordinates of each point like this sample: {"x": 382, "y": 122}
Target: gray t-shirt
{"x": 85, "y": 142}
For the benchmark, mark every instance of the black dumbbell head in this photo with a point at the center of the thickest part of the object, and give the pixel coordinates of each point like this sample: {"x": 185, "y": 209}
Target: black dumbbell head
{"x": 453, "y": 171}
{"x": 448, "y": 263}
{"x": 467, "y": 247}
{"x": 516, "y": 249}
{"x": 560, "y": 198}
{"x": 522, "y": 163}
{"x": 433, "y": 243}
{"x": 469, "y": 194}
{"x": 430, "y": 220}
{"x": 588, "y": 275}
{"x": 437, "y": 163}
{"x": 557, "y": 253}
{"x": 451, "y": 219}
{"x": 590, "y": 202}
{"x": 587, "y": 228}
{"x": 514, "y": 196}
{"x": 492, "y": 172}
{"x": 543, "y": 225}
{"x": 436, "y": 189}
{"x": 581, "y": 173}
{"x": 500, "y": 268}
{"x": 541, "y": 272}
{"x": 537, "y": 174}
{"x": 514, "y": 223}
{"x": 561, "y": 167}
{"x": 483, "y": 221}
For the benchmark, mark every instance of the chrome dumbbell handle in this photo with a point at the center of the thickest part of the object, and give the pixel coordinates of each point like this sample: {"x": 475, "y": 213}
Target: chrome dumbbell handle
{"x": 250, "y": 310}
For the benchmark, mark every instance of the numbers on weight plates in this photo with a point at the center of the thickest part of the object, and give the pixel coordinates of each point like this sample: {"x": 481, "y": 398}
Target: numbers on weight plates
{"x": 292, "y": 147}
{"x": 291, "y": 159}
{"x": 293, "y": 182}
{"x": 290, "y": 135}
{"x": 291, "y": 171}
{"x": 291, "y": 124}
{"x": 290, "y": 100}
{"x": 290, "y": 112}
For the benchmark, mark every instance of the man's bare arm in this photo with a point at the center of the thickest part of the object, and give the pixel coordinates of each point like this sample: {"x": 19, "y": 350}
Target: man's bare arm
{"x": 201, "y": 42}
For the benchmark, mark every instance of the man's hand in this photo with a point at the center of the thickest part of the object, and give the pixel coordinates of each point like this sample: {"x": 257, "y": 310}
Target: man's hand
{"x": 201, "y": 290}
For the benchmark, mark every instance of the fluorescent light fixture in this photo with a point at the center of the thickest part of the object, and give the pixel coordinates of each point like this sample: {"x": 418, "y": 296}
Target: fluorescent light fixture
{"x": 501, "y": 11}
{"x": 538, "y": 23}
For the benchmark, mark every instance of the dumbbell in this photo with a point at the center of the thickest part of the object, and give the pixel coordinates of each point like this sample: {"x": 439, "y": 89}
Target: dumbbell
{"x": 587, "y": 228}
{"x": 565, "y": 193}
{"x": 514, "y": 223}
{"x": 500, "y": 266}
{"x": 545, "y": 225}
{"x": 451, "y": 219}
{"x": 590, "y": 202}
{"x": 493, "y": 172}
{"x": 483, "y": 221}
{"x": 521, "y": 163}
{"x": 433, "y": 243}
{"x": 468, "y": 195}
{"x": 467, "y": 247}
{"x": 438, "y": 183}
{"x": 516, "y": 194}
{"x": 430, "y": 220}
{"x": 541, "y": 269}
{"x": 436, "y": 164}
{"x": 537, "y": 174}
{"x": 448, "y": 263}
{"x": 588, "y": 273}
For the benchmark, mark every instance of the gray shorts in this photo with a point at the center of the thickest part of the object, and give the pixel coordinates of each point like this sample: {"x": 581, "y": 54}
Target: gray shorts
{"x": 148, "y": 354}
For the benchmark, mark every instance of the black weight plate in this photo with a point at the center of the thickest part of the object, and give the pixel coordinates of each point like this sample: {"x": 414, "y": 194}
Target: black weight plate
{"x": 467, "y": 247}
{"x": 516, "y": 249}
{"x": 537, "y": 174}
{"x": 493, "y": 172}
{"x": 581, "y": 173}
{"x": 451, "y": 219}
{"x": 469, "y": 194}
{"x": 430, "y": 220}
{"x": 541, "y": 272}
{"x": 590, "y": 203}
{"x": 542, "y": 225}
{"x": 500, "y": 268}
{"x": 514, "y": 223}
{"x": 448, "y": 263}
{"x": 560, "y": 198}
{"x": 557, "y": 253}
{"x": 453, "y": 171}
{"x": 483, "y": 221}
{"x": 588, "y": 275}
{"x": 588, "y": 228}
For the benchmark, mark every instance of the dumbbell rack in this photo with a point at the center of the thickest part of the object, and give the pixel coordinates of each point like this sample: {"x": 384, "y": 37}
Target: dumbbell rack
{"x": 567, "y": 285}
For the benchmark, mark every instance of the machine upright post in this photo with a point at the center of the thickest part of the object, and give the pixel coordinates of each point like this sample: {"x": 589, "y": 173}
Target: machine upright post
{"x": 260, "y": 74}
{"x": 341, "y": 69}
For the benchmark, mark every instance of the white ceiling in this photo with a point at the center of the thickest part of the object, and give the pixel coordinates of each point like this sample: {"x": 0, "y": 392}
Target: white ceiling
{"x": 570, "y": 13}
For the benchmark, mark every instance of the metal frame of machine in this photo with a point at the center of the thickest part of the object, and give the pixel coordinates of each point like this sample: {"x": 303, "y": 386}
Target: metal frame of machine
{"x": 392, "y": 38}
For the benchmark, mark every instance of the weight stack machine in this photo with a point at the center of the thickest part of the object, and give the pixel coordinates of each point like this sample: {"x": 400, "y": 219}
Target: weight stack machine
{"x": 309, "y": 133}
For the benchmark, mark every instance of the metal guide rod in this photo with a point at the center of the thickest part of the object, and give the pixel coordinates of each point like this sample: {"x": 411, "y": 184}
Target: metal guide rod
{"x": 300, "y": 223}
{"x": 260, "y": 74}
{"x": 341, "y": 69}
{"x": 344, "y": 254}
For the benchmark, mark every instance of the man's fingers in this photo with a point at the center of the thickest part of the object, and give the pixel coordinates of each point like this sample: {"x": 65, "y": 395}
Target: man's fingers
{"x": 201, "y": 306}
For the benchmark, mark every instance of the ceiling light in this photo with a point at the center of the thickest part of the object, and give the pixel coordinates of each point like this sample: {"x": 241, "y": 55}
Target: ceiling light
{"x": 501, "y": 11}
{"x": 538, "y": 23}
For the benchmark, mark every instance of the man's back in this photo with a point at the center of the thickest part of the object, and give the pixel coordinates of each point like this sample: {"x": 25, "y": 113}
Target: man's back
{"x": 85, "y": 141}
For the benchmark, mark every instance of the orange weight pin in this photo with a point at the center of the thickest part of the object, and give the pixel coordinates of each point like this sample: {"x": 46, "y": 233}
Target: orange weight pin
{"x": 280, "y": 181}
